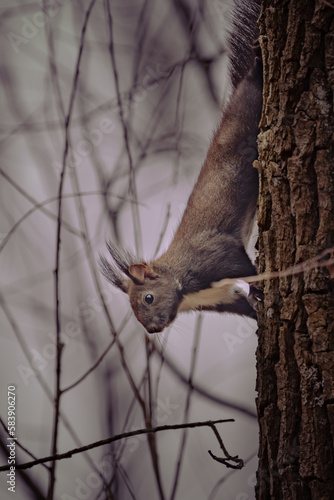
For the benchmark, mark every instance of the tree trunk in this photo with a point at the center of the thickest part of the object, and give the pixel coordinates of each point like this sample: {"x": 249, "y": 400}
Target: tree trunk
{"x": 295, "y": 356}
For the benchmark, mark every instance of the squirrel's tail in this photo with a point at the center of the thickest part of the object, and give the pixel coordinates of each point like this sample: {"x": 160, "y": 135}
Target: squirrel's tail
{"x": 242, "y": 38}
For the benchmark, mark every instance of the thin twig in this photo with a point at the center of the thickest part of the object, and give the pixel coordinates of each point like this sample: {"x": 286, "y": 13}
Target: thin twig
{"x": 151, "y": 438}
{"x": 198, "y": 330}
{"x": 163, "y": 230}
{"x": 59, "y": 344}
{"x": 328, "y": 4}
{"x": 221, "y": 481}
{"x": 32, "y": 200}
{"x": 21, "y": 340}
{"x": 132, "y": 179}
{"x": 40, "y": 205}
{"x": 25, "y": 478}
{"x": 302, "y": 267}
{"x": 99, "y": 359}
{"x": 229, "y": 461}
{"x": 120, "y": 451}
{"x": 20, "y": 445}
{"x": 113, "y": 439}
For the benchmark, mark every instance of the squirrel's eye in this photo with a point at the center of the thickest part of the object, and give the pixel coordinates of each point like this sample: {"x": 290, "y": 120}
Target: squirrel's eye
{"x": 149, "y": 298}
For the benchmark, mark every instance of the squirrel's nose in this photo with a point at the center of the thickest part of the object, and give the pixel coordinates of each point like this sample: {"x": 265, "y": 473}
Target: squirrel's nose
{"x": 154, "y": 329}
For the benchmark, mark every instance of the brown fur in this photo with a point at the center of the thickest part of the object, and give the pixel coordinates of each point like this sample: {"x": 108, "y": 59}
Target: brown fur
{"x": 209, "y": 244}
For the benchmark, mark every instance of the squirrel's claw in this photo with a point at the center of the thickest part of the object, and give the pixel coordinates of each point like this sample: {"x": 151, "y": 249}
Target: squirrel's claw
{"x": 255, "y": 296}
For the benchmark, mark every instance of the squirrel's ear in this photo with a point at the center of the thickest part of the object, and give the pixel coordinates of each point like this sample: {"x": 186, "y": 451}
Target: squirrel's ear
{"x": 138, "y": 273}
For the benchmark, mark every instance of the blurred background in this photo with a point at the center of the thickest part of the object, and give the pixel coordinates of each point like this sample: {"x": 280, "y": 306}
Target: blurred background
{"x": 122, "y": 98}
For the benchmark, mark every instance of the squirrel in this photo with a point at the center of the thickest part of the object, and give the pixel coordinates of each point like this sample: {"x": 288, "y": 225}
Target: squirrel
{"x": 209, "y": 244}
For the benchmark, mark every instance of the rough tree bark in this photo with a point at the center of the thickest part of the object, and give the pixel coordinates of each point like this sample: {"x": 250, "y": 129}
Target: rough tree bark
{"x": 295, "y": 356}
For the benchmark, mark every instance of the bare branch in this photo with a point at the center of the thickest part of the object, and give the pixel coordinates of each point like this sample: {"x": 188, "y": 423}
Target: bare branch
{"x": 198, "y": 330}
{"x": 228, "y": 460}
{"x": 125, "y": 435}
{"x": 58, "y": 244}
{"x": 99, "y": 360}
{"x": 132, "y": 179}
{"x": 20, "y": 445}
{"x": 40, "y": 205}
{"x": 302, "y": 267}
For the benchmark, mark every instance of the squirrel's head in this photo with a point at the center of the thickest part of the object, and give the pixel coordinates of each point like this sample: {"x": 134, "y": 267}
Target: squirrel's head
{"x": 155, "y": 294}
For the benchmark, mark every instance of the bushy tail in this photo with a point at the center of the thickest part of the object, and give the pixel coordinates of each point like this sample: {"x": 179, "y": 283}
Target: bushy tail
{"x": 243, "y": 35}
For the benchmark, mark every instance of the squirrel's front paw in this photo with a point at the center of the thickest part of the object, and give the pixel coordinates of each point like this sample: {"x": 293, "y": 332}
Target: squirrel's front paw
{"x": 241, "y": 286}
{"x": 253, "y": 294}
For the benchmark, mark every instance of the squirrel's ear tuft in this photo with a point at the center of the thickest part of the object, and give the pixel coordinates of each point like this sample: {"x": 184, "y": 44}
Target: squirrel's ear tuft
{"x": 123, "y": 258}
{"x": 113, "y": 276}
{"x": 127, "y": 263}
